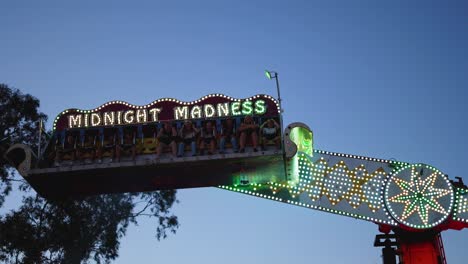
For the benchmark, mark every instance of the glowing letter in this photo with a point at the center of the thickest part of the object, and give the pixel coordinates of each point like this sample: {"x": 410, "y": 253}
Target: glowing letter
{"x": 196, "y": 112}
{"x": 109, "y": 118}
{"x": 260, "y": 107}
{"x": 247, "y": 108}
{"x": 181, "y": 112}
{"x": 95, "y": 119}
{"x": 74, "y": 121}
{"x": 223, "y": 109}
{"x": 209, "y": 110}
{"x": 128, "y": 117}
{"x": 235, "y": 108}
{"x": 141, "y": 116}
{"x": 119, "y": 117}
{"x": 86, "y": 120}
{"x": 154, "y": 114}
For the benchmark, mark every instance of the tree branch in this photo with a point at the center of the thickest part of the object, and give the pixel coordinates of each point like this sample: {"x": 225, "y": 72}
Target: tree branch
{"x": 144, "y": 209}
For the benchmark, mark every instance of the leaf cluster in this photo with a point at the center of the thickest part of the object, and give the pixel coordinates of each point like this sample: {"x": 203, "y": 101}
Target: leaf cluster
{"x": 65, "y": 231}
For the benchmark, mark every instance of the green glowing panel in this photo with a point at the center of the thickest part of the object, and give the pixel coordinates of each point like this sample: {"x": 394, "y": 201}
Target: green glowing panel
{"x": 419, "y": 196}
{"x": 303, "y": 138}
{"x": 271, "y": 170}
{"x": 303, "y": 141}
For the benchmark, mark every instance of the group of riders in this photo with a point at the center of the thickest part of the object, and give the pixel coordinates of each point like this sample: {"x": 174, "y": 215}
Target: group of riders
{"x": 203, "y": 140}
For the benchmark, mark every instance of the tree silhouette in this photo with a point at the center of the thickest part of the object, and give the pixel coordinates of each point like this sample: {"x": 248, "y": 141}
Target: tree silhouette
{"x": 66, "y": 231}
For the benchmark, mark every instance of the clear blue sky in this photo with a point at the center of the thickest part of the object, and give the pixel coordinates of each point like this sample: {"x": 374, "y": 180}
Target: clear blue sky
{"x": 382, "y": 80}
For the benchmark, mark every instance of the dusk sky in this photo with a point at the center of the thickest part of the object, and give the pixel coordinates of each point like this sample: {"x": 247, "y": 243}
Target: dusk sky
{"x": 373, "y": 79}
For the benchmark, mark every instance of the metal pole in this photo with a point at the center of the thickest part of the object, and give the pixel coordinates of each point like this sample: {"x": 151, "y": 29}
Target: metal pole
{"x": 279, "y": 102}
{"x": 278, "y": 88}
{"x": 281, "y": 125}
{"x": 39, "y": 143}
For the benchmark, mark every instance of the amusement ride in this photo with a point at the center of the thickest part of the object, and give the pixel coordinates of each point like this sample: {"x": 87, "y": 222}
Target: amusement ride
{"x": 411, "y": 203}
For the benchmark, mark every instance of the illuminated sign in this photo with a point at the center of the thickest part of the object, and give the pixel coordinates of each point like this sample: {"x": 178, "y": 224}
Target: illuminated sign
{"x": 122, "y": 113}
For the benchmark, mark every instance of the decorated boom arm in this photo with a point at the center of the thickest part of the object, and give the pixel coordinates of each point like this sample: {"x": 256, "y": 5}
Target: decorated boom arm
{"x": 386, "y": 192}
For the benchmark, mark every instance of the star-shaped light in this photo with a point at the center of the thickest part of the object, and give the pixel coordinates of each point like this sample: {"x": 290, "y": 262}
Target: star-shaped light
{"x": 420, "y": 196}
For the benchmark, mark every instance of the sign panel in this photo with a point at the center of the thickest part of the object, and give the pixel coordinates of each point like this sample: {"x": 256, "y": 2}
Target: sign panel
{"x": 167, "y": 109}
